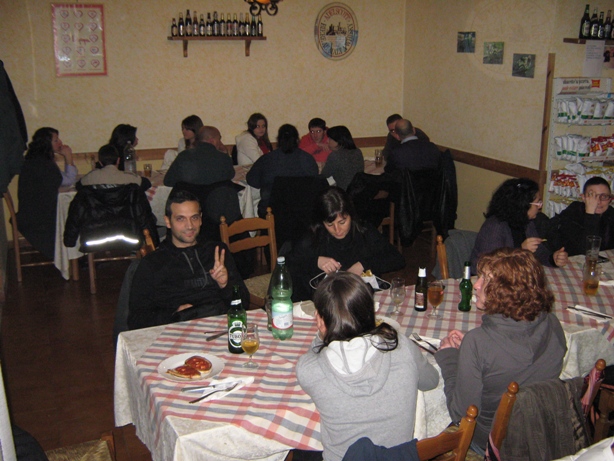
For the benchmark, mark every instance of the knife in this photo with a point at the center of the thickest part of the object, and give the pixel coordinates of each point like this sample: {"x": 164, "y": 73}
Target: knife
{"x": 590, "y": 313}
{"x": 211, "y": 387}
{"x": 216, "y": 335}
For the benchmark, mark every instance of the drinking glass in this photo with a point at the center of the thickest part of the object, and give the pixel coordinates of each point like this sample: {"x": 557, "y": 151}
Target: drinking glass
{"x": 250, "y": 342}
{"x": 147, "y": 169}
{"x": 593, "y": 243}
{"x": 397, "y": 293}
{"x": 378, "y": 156}
{"x": 590, "y": 277}
{"x": 435, "y": 297}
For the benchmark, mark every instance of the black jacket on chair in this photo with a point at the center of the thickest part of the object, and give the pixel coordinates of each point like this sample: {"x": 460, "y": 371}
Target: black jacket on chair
{"x": 105, "y": 210}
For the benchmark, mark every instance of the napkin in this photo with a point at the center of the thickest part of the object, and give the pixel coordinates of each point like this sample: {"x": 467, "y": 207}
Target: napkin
{"x": 578, "y": 310}
{"x": 304, "y": 310}
{"x": 607, "y": 283}
{"x": 244, "y": 381}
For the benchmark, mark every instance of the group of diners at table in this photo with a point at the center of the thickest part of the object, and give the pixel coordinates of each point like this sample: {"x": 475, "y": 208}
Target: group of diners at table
{"x": 356, "y": 372}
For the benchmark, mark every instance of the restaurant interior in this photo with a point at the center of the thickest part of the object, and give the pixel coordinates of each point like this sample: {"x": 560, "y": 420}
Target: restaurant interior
{"x": 405, "y": 61}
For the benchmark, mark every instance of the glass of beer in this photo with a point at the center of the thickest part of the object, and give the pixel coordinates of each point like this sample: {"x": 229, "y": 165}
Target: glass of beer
{"x": 397, "y": 293}
{"x": 378, "y": 156}
{"x": 590, "y": 278}
{"x": 435, "y": 296}
{"x": 147, "y": 169}
{"x": 250, "y": 342}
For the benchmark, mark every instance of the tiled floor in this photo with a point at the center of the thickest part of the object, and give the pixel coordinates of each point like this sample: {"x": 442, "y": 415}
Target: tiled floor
{"x": 58, "y": 356}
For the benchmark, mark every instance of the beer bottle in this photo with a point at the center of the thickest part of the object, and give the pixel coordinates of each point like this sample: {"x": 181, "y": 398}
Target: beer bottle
{"x": 188, "y": 24}
{"x": 466, "y": 289}
{"x": 241, "y": 25}
{"x": 607, "y": 26}
{"x": 209, "y": 25}
{"x": 235, "y": 25}
{"x": 260, "y": 26}
{"x": 281, "y": 305}
{"x": 202, "y": 29}
{"x": 181, "y": 26}
{"x": 247, "y": 25}
{"x": 195, "y": 25}
{"x": 594, "y": 25}
{"x": 585, "y": 24}
{"x": 216, "y": 25}
{"x": 601, "y": 32}
{"x": 254, "y": 27}
{"x": 422, "y": 290}
{"x": 237, "y": 319}
{"x": 228, "y": 25}
{"x": 174, "y": 28}
{"x": 222, "y": 26}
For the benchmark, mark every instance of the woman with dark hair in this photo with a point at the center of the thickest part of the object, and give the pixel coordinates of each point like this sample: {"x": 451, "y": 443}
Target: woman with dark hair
{"x": 190, "y": 127}
{"x": 345, "y": 160}
{"x": 286, "y": 160}
{"x": 338, "y": 242}
{"x": 119, "y": 138}
{"x": 513, "y": 219}
{"x": 358, "y": 373}
{"x": 254, "y": 142}
{"x": 519, "y": 340}
{"x": 39, "y": 181}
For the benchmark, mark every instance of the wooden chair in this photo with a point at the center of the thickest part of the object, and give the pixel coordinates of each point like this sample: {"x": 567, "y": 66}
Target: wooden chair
{"x": 258, "y": 286}
{"x": 442, "y": 258}
{"x": 502, "y": 416}
{"x": 20, "y": 244}
{"x": 605, "y": 411}
{"x": 453, "y": 443}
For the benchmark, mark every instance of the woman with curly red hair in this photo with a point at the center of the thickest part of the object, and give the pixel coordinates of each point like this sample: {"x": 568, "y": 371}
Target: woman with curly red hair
{"x": 519, "y": 340}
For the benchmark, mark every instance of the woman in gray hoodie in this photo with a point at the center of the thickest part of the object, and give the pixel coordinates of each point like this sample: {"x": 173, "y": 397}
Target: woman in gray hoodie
{"x": 362, "y": 378}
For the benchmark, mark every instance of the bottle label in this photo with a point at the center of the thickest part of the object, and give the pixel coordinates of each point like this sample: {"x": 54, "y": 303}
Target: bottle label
{"x": 235, "y": 333}
{"x": 282, "y": 320}
{"x": 419, "y": 301}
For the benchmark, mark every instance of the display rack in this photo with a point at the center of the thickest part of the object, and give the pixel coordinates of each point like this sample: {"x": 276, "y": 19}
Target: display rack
{"x": 247, "y": 40}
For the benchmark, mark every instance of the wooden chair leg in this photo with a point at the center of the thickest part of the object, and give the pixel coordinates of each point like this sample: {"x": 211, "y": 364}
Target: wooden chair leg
{"x": 92, "y": 271}
{"x": 74, "y": 269}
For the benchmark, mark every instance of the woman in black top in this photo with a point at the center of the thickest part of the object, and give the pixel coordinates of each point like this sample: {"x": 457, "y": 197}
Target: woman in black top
{"x": 337, "y": 241}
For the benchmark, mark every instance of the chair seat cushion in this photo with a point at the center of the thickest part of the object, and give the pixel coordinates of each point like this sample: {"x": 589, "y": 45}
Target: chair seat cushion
{"x": 259, "y": 285}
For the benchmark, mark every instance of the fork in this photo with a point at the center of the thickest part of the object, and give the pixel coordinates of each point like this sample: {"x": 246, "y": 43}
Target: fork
{"x": 228, "y": 389}
{"x": 417, "y": 337}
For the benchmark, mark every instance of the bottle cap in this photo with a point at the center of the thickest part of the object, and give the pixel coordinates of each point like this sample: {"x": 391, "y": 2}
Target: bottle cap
{"x": 422, "y": 272}
{"x": 467, "y": 263}
{"x": 281, "y": 259}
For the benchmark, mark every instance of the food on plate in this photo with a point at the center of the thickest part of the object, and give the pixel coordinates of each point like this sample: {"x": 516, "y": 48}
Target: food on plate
{"x": 199, "y": 363}
{"x": 367, "y": 273}
{"x": 184, "y": 371}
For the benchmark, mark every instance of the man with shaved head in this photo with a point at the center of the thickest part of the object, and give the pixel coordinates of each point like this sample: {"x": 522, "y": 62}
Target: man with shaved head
{"x": 204, "y": 164}
{"x": 392, "y": 140}
{"x": 412, "y": 153}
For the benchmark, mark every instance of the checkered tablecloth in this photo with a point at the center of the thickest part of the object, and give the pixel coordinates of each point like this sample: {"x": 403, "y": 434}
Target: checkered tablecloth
{"x": 273, "y": 414}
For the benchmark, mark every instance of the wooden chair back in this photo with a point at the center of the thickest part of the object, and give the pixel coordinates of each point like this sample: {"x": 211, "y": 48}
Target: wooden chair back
{"x": 19, "y": 241}
{"x": 502, "y": 416}
{"x": 457, "y": 442}
{"x": 442, "y": 258}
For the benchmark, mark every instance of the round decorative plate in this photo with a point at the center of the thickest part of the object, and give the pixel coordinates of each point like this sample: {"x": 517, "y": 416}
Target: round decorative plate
{"x": 336, "y": 31}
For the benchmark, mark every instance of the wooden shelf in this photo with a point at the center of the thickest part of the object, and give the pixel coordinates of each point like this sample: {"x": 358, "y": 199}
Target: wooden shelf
{"x": 247, "y": 40}
{"x": 582, "y": 41}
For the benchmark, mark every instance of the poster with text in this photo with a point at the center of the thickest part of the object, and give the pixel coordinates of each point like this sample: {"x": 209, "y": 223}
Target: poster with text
{"x": 78, "y": 33}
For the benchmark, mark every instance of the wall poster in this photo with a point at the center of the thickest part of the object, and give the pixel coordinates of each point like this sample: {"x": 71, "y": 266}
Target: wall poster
{"x": 78, "y": 36}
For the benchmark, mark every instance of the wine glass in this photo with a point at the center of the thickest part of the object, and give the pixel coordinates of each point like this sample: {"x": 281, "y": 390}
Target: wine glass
{"x": 250, "y": 341}
{"x": 435, "y": 296}
{"x": 397, "y": 293}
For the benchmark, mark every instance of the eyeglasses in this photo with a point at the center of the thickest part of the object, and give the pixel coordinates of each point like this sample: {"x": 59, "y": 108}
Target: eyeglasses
{"x": 538, "y": 204}
{"x": 392, "y": 131}
{"x": 603, "y": 197}
{"x": 316, "y": 131}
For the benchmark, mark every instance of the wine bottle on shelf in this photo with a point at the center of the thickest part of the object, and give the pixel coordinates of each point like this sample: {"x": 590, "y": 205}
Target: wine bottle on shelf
{"x": 222, "y": 26}
{"x": 216, "y": 25}
{"x": 235, "y": 25}
{"x": 202, "y": 28}
{"x": 254, "y": 27}
{"x": 174, "y": 28}
{"x": 188, "y": 24}
{"x": 585, "y": 24}
{"x": 421, "y": 291}
{"x": 241, "y": 25}
{"x": 607, "y": 26}
{"x": 181, "y": 26}
{"x": 209, "y": 25}
{"x": 260, "y": 26}
{"x": 195, "y": 31}
{"x": 248, "y": 27}
{"x": 228, "y": 25}
{"x": 601, "y": 32}
{"x": 594, "y": 25}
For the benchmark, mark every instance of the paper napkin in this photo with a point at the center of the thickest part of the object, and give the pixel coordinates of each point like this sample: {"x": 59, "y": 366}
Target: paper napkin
{"x": 244, "y": 381}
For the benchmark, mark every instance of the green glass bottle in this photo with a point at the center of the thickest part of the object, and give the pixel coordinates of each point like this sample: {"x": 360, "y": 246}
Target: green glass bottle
{"x": 237, "y": 319}
{"x": 466, "y": 289}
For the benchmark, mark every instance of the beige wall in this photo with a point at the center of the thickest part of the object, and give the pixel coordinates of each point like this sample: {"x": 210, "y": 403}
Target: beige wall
{"x": 480, "y": 108}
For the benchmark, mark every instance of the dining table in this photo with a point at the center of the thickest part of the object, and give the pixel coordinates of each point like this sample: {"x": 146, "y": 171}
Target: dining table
{"x": 65, "y": 258}
{"x": 265, "y": 419}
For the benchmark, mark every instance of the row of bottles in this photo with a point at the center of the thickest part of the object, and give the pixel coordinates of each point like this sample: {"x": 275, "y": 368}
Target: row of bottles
{"x": 422, "y": 289}
{"x": 222, "y": 27}
{"x": 596, "y": 28}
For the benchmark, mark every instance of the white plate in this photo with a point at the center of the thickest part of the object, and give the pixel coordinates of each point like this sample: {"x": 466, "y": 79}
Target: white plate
{"x": 393, "y": 323}
{"x": 179, "y": 359}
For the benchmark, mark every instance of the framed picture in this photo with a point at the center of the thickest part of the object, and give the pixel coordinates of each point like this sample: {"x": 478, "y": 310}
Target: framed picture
{"x": 523, "y": 65}
{"x": 465, "y": 42}
{"x": 78, "y": 36}
{"x": 493, "y": 53}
